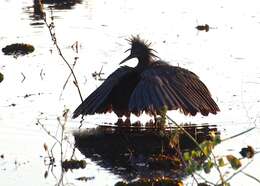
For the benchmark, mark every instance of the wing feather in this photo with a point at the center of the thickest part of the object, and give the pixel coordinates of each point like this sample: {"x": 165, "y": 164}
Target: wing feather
{"x": 174, "y": 87}
{"x": 92, "y": 104}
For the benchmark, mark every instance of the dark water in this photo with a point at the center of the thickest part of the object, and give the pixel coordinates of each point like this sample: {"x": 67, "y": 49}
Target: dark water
{"x": 226, "y": 58}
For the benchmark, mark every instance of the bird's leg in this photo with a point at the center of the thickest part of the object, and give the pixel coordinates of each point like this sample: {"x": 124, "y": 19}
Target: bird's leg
{"x": 159, "y": 121}
{"x": 127, "y": 122}
{"x": 155, "y": 120}
{"x": 119, "y": 122}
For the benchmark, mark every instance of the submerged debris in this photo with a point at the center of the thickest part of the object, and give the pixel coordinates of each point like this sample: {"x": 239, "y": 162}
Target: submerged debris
{"x": 203, "y": 27}
{"x": 203, "y": 184}
{"x": 84, "y": 178}
{"x": 60, "y": 1}
{"x": 161, "y": 181}
{"x": 62, "y": 4}
{"x": 97, "y": 75}
{"x": 73, "y": 164}
{"x": 12, "y": 105}
{"x": 18, "y": 49}
{"x": 1, "y": 77}
{"x": 247, "y": 152}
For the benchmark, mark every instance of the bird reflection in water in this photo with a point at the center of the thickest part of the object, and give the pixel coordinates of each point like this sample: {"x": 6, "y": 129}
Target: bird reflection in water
{"x": 133, "y": 152}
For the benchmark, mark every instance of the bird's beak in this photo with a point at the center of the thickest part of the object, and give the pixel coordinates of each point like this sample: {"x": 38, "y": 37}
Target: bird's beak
{"x": 126, "y": 59}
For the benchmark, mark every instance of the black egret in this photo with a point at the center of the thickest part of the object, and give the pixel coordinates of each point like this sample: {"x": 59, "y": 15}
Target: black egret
{"x": 149, "y": 87}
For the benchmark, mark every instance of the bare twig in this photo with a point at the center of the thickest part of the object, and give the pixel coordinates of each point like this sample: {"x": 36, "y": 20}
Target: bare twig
{"x": 218, "y": 169}
{"x": 48, "y": 132}
{"x": 177, "y": 149}
{"x": 250, "y": 176}
{"x": 23, "y": 77}
{"x": 67, "y": 80}
{"x": 55, "y": 42}
{"x": 42, "y": 74}
{"x": 188, "y": 134}
{"x": 239, "y": 171}
{"x": 231, "y": 137}
{"x": 204, "y": 179}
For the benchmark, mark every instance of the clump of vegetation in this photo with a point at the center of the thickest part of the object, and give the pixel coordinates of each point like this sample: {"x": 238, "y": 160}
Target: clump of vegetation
{"x": 203, "y": 27}
{"x": 18, "y": 49}
{"x": 161, "y": 181}
{"x": 1, "y": 77}
{"x": 200, "y": 159}
{"x": 84, "y": 178}
{"x": 73, "y": 164}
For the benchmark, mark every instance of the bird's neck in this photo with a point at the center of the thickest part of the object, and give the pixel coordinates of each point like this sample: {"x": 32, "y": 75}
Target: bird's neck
{"x": 144, "y": 62}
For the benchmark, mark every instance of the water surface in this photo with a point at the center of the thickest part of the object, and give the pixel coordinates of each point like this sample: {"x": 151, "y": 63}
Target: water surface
{"x": 226, "y": 58}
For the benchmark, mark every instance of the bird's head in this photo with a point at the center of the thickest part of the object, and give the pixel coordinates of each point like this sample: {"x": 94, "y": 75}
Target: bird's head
{"x": 139, "y": 49}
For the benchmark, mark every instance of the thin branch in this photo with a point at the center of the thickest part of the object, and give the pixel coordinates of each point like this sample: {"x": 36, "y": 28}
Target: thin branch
{"x": 239, "y": 171}
{"x": 23, "y": 77}
{"x": 41, "y": 74}
{"x": 177, "y": 149}
{"x": 204, "y": 179}
{"x": 250, "y": 176}
{"x": 48, "y": 132}
{"x": 67, "y": 80}
{"x": 231, "y": 137}
{"x": 55, "y": 42}
{"x": 218, "y": 169}
{"x": 188, "y": 134}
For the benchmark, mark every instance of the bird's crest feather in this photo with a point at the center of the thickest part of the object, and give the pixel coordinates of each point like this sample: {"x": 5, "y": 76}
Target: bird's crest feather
{"x": 137, "y": 42}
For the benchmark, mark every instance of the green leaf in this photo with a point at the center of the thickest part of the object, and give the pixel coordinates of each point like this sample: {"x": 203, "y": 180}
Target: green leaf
{"x": 189, "y": 170}
{"x": 226, "y": 184}
{"x": 186, "y": 156}
{"x": 193, "y": 166}
{"x": 207, "y": 166}
{"x": 221, "y": 162}
{"x": 194, "y": 154}
{"x": 196, "y": 166}
{"x": 234, "y": 162}
{"x": 217, "y": 140}
{"x": 207, "y": 147}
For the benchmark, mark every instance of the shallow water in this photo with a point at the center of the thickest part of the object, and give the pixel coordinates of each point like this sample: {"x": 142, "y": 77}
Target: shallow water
{"x": 226, "y": 58}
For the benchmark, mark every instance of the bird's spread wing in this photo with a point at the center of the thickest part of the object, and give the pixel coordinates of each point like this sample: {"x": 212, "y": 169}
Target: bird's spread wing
{"x": 93, "y": 102}
{"x": 174, "y": 87}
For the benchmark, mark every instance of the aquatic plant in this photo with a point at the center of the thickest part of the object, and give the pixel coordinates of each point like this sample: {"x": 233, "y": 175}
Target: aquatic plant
{"x": 65, "y": 161}
{"x": 205, "y": 149}
{"x": 73, "y": 164}
{"x": 18, "y": 49}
